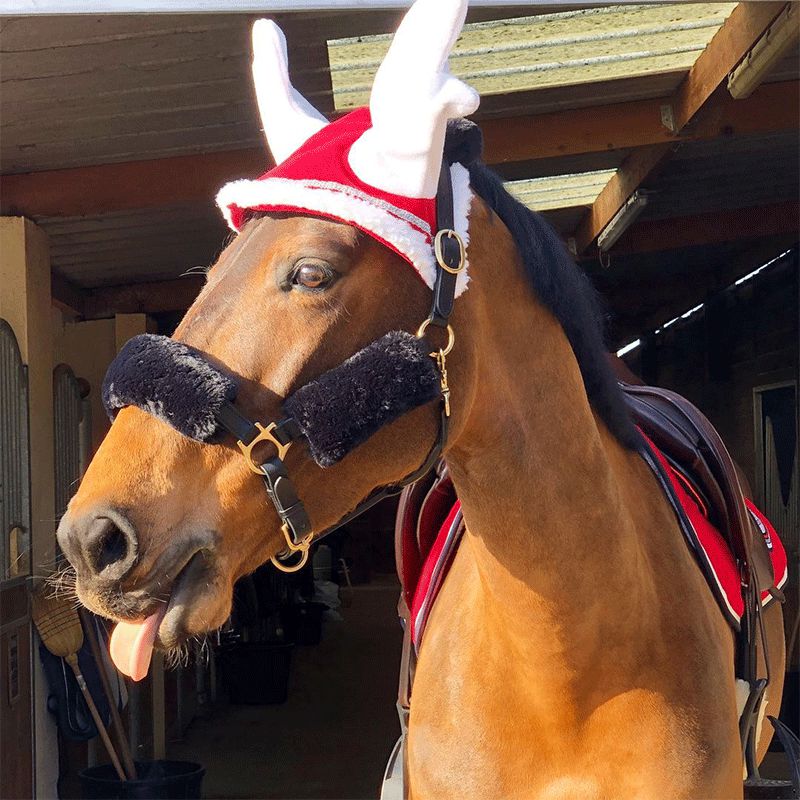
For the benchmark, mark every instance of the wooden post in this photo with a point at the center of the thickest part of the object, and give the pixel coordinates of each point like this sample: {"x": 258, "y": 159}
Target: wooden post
{"x": 25, "y": 303}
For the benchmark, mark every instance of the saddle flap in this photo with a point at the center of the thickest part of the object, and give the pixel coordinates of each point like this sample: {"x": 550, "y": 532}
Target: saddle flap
{"x": 686, "y": 437}
{"x": 406, "y": 550}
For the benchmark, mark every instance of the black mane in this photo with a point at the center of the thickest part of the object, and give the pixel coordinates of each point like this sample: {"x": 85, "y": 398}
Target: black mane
{"x": 567, "y": 291}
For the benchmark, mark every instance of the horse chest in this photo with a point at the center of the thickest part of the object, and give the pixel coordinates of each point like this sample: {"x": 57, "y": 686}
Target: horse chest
{"x": 486, "y": 723}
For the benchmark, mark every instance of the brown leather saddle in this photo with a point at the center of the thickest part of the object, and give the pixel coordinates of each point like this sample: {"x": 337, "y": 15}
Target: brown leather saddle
{"x": 692, "y": 445}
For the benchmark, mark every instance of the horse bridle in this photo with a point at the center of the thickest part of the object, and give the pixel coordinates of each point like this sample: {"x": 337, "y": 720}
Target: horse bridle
{"x": 296, "y": 525}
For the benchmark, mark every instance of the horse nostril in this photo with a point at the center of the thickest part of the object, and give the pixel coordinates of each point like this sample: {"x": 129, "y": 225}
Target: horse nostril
{"x": 108, "y": 547}
{"x": 115, "y": 548}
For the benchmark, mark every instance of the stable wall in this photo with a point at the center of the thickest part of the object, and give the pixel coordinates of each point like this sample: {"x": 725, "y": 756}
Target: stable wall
{"x": 89, "y": 347}
{"x": 746, "y": 338}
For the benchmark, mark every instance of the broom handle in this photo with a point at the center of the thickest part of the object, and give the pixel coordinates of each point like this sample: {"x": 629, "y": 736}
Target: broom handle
{"x": 72, "y": 660}
{"x": 122, "y": 739}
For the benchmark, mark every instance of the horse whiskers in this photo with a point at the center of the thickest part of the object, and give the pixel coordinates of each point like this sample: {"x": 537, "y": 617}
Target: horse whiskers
{"x": 177, "y": 656}
{"x": 197, "y": 646}
{"x": 62, "y": 582}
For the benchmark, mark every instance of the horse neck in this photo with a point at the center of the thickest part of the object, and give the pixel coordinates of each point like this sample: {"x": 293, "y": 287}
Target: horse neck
{"x": 544, "y": 486}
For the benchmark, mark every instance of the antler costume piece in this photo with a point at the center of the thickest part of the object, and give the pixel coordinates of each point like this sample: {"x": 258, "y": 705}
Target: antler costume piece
{"x": 376, "y": 168}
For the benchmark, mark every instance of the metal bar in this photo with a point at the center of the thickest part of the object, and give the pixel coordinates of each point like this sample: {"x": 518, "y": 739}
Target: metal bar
{"x": 29, "y": 7}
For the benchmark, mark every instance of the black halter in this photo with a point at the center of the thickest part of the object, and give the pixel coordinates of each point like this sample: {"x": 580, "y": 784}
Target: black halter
{"x": 295, "y": 522}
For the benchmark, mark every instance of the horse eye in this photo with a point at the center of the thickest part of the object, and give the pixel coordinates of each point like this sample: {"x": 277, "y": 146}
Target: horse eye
{"x": 311, "y": 275}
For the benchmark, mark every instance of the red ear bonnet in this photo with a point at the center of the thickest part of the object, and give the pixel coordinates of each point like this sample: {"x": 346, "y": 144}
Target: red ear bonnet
{"x": 376, "y": 168}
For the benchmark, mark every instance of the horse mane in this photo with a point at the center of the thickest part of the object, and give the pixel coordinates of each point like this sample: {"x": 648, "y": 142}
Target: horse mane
{"x": 567, "y": 291}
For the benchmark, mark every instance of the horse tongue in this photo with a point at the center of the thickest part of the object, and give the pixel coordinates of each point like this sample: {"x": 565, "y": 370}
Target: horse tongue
{"x": 132, "y": 644}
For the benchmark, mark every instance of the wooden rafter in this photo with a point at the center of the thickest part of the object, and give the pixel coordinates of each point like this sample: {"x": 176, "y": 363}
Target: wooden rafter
{"x": 157, "y": 297}
{"x": 728, "y": 46}
{"x": 713, "y": 227}
{"x": 95, "y": 190}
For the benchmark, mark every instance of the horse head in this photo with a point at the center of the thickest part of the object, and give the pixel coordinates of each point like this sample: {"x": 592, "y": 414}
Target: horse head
{"x": 163, "y": 524}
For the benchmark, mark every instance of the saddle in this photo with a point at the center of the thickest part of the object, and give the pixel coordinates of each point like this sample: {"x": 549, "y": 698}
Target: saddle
{"x": 695, "y": 451}
{"x": 734, "y": 544}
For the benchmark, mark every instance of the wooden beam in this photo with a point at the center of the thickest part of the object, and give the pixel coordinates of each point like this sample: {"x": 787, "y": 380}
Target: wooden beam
{"x": 87, "y": 191}
{"x": 774, "y": 107}
{"x": 713, "y": 227}
{"x": 637, "y": 168}
{"x": 155, "y": 297}
{"x": 727, "y": 47}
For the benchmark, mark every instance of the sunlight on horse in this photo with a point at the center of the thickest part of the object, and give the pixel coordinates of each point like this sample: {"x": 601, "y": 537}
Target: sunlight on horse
{"x": 575, "y": 649}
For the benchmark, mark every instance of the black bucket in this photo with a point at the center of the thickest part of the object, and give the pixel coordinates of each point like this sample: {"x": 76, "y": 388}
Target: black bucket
{"x": 157, "y": 780}
{"x": 256, "y": 673}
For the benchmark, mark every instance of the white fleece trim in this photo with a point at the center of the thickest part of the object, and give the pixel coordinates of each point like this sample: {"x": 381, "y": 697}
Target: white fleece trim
{"x": 385, "y": 221}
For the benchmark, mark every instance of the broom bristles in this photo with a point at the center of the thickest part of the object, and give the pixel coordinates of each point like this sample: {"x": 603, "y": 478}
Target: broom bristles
{"x": 58, "y": 623}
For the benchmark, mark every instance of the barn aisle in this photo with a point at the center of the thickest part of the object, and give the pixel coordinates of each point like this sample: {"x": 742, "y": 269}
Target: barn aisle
{"x": 332, "y": 738}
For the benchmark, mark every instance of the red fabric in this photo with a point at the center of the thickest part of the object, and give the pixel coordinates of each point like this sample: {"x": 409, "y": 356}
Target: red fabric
{"x": 325, "y": 157}
{"x": 436, "y": 507}
{"x": 423, "y": 586}
{"x": 719, "y": 555}
{"x": 427, "y": 551}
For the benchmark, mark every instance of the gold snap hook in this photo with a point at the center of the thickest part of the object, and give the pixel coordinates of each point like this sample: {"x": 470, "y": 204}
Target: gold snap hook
{"x": 441, "y": 360}
{"x": 301, "y": 547}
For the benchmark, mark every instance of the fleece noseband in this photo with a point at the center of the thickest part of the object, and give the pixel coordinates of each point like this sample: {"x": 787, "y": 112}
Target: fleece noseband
{"x": 334, "y": 413}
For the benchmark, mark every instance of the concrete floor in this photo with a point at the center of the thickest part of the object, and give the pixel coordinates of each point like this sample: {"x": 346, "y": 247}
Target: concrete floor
{"x": 333, "y": 736}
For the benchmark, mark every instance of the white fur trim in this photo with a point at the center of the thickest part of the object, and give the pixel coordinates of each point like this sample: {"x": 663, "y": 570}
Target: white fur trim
{"x": 395, "y": 226}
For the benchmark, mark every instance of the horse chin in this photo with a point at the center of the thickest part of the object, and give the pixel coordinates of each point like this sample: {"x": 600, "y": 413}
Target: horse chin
{"x": 200, "y": 603}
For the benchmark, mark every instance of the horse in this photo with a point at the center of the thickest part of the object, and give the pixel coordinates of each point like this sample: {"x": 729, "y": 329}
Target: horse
{"x": 575, "y": 649}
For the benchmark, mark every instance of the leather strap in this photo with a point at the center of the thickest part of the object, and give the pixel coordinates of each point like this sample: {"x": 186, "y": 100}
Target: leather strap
{"x": 283, "y": 494}
{"x": 444, "y": 289}
{"x": 280, "y": 489}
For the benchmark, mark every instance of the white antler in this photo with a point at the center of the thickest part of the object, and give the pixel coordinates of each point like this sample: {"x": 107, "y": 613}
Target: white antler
{"x": 288, "y": 118}
{"x": 412, "y": 98}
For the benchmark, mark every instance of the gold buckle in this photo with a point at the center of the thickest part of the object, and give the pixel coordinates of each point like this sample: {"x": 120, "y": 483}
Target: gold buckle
{"x": 265, "y": 435}
{"x": 301, "y": 548}
{"x": 451, "y": 338}
{"x": 437, "y": 249}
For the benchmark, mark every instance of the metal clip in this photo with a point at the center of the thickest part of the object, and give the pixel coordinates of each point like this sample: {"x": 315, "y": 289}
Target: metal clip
{"x": 441, "y": 361}
{"x": 301, "y": 547}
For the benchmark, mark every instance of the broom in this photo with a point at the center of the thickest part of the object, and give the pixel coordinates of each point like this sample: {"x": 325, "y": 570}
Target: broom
{"x": 116, "y": 720}
{"x": 61, "y": 632}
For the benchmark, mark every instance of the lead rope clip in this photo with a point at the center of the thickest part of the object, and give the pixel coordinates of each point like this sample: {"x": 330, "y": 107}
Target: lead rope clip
{"x": 441, "y": 361}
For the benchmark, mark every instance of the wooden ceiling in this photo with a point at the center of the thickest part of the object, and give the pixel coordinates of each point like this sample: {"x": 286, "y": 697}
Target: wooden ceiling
{"x": 117, "y": 131}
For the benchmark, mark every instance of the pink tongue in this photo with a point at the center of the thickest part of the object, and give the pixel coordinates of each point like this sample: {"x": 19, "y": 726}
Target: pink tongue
{"x": 132, "y": 644}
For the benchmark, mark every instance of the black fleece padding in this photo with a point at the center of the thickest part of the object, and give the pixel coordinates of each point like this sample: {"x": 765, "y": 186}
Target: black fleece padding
{"x": 343, "y": 407}
{"x": 171, "y": 381}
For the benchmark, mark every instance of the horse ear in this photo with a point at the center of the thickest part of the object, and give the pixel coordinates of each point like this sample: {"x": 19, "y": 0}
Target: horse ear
{"x": 288, "y": 119}
{"x": 412, "y": 98}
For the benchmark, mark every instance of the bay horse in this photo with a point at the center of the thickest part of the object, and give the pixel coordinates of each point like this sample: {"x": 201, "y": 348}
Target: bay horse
{"x": 575, "y": 650}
